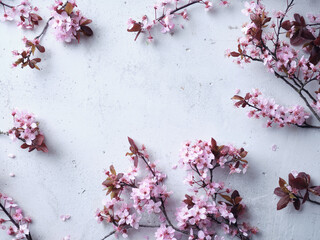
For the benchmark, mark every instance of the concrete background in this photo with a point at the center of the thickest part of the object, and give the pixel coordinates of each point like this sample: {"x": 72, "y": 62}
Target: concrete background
{"x": 90, "y": 96}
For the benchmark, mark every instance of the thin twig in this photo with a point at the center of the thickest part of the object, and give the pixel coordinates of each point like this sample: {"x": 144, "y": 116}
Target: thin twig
{"x": 179, "y": 8}
{"x": 28, "y": 236}
{"x": 44, "y": 29}
{"x": 140, "y": 225}
{"x": 309, "y": 200}
{"x": 6, "y": 5}
{"x": 305, "y": 124}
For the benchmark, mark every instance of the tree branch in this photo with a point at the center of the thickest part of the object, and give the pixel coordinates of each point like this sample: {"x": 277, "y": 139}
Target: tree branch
{"x": 28, "y": 236}
{"x": 179, "y": 8}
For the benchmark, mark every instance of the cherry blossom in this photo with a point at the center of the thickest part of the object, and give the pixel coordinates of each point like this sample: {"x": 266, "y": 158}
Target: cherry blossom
{"x": 135, "y": 193}
{"x": 17, "y": 224}
{"x": 274, "y": 113}
{"x": 165, "y": 233}
{"x": 24, "y": 14}
{"x": 170, "y": 10}
{"x": 26, "y": 129}
{"x": 25, "y": 56}
{"x": 68, "y": 22}
{"x": 264, "y": 41}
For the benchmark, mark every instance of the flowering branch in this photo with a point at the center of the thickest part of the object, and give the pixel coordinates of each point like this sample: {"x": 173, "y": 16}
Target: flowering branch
{"x": 299, "y": 187}
{"x": 68, "y": 24}
{"x": 23, "y": 13}
{"x": 276, "y": 114}
{"x": 263, "y": 43}
{"x": 20, "y": 224}
{"x": 170, "y": 9}
{"x": 26, "y": 129}
{"x": 210, "y": 205}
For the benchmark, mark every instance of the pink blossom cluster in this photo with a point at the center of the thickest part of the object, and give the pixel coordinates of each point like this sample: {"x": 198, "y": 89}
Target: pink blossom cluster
{"x": 68, "y": 22}
{"x": 264, "y": 41}
{"x": 135, "y": 195}
{"x": 24, "y": 56}
{"x": 15, "y": 224}
{"x": 26, "y": 129}
{"x": 24, "y": 14}
{"x": 165, "y": 233}
{"x": 258, "y": 44}
{"x": 147, "y": 195}
{"x": 267, "y": 108}
{"x": 199, "y": 157}
{"x": 27, "y": 50}
{"x": 170, "y": 10}
{"x": 116, "y": 210}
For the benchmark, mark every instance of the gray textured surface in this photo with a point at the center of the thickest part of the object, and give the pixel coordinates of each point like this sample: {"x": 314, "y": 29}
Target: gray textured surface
{"x": 90, "y": 97}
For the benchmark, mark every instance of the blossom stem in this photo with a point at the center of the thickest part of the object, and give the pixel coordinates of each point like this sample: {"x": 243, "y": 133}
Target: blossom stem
{"x": 239, "y": 234}
{"x": 298, "y": 90}
{"x": 47, "y": 23}
{"x": 163, "y": 208}
{"x": 305, "y": 124}
{"x": 309, "y": 200}
{"x": 179, "y": 8}
{"x": 28, "y": 236}
{"x": 4, "y": 133}
{"x": 141, "y": 225}
{"x": 5, "y": 5}
{"x": 44, "y": 29}
{"x": 279, "y": 27}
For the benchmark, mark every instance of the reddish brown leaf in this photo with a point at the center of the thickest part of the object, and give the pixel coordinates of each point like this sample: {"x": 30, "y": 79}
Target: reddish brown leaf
{"x": 278, "y": 191}
{"x": 286, "y": 25}
{"x": 256, "y": 19}
{"x": 237, "y": 97}
{"x": 24, "y": 146}
{"x": 237, "y": 200}
{"x": 86, "y": 30}
{"x": 68, "y": 8}
{"x": 296, "y": 203}
{"x": 136, "y": 28}
{"x": 235, "y": 54}
{"x": 306, "y": 197}
{"x": 39, "y": 140}
{"x": 235, "y": 194}
{"x": 315, "y": 55}
{"x": 297, "y": 182}
{"x": 282, "y": 182}
{"x": 112, "y": 170}
{"x": 85, "y": 22}
{"x": 243, "y": 153}
{"x": 43, "y": 148}
{"x": 283, "y": 202}
{"x": 40, "y": 48}
{"x": 226, "y": 197}
{"x": 31, "y": 64}
{"x": 317, "y": 41}
{"x": 133, "y": 148}
{"x": 108, "y": 182}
